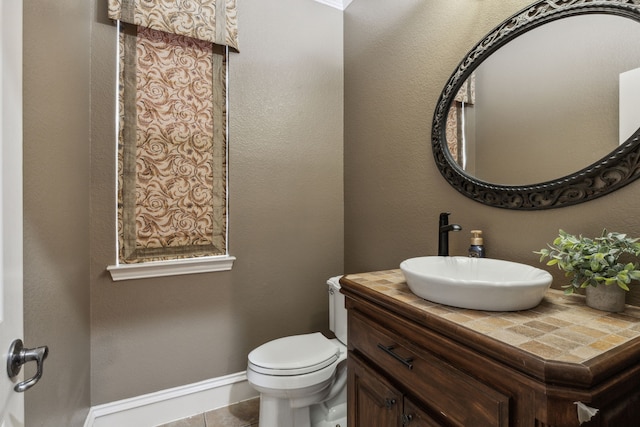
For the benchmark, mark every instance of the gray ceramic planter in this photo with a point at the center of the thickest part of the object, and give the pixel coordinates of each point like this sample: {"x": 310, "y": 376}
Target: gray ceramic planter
{"x": 606, "y": 298}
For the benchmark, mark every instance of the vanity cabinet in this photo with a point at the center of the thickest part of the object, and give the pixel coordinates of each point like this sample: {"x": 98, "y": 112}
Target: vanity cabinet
{"x": 416, "y": 363}
{"x": 453, "y": 397}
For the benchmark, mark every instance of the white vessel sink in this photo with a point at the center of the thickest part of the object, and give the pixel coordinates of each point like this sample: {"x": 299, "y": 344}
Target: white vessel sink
{"x": 476, "y": 283}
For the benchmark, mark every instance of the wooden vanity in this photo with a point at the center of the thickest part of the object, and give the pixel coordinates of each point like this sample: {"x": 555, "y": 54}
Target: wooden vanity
{"x": 417, "y": 363}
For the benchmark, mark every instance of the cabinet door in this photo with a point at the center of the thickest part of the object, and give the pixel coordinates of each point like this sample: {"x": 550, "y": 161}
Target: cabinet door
{"x": 372, "y": 400}
{"x": 414, "y": 416}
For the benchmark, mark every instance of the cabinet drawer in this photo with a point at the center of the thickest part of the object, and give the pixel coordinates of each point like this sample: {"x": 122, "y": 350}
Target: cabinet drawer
{"x": 460, "y": 399}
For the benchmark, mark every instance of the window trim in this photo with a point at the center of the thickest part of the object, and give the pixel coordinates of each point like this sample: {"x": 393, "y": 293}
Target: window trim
{"x": 175, "y": 267}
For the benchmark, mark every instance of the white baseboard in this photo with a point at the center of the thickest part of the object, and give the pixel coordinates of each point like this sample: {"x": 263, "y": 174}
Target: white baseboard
{"x": 164, "y": 406}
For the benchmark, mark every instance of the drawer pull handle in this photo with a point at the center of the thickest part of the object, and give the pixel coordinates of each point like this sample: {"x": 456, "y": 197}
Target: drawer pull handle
{"x": 389, "y": 403}
{"x": 389, "y": 350}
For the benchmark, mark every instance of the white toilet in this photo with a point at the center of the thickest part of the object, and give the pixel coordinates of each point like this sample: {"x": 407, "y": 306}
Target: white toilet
{"x": 302, "y": 378}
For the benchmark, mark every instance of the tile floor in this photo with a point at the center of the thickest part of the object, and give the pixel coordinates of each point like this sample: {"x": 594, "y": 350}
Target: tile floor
{"x": 242, "y": 414}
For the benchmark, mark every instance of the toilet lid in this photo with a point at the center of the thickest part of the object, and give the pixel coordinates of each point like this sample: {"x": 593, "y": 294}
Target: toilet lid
{"x": 294, "y": 355}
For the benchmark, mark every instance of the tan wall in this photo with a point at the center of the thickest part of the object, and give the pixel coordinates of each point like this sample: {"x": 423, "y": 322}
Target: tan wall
{"x": 56, "y": 207}
{"x": 286, "y": 211}
{"x": 398, "y": 56}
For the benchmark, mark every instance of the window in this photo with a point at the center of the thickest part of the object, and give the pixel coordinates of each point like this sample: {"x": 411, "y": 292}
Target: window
{"x": 172, "y": 162}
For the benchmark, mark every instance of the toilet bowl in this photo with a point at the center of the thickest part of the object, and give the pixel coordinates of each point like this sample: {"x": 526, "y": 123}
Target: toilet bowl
{"x": 302, "y": 378}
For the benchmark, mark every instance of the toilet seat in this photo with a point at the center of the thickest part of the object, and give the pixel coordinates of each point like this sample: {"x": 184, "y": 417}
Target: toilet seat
{"x": 294, "y": 355}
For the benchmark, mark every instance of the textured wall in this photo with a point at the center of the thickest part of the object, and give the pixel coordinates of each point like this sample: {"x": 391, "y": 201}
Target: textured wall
{"x": 56, "y": 207}
{"x": 398, "y": 56}
{"x": 285, "y": 210}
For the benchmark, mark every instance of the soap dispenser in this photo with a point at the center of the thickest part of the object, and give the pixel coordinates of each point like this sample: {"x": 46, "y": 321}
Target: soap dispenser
{"x": 476, "y": 250}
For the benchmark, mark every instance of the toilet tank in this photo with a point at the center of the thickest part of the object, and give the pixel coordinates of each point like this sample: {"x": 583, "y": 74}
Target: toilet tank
{"x": 337, "y": 311}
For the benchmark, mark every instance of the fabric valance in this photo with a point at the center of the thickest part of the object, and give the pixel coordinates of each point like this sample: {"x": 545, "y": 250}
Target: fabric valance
{"x": 214, "y": 21}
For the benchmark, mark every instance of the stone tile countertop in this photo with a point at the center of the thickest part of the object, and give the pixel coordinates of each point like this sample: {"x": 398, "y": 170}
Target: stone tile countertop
{"x": 561, "y": 329}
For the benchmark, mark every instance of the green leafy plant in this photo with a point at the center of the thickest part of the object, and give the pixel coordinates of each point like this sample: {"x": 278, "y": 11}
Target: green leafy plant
{"x": 592, "y": 262}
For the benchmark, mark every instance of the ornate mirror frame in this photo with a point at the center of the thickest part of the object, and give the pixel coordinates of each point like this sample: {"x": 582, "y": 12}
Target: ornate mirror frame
{"x": 610, "y": 173}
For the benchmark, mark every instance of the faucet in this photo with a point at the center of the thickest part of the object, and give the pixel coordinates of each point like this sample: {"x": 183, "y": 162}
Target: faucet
{"x": 443, "y": 233}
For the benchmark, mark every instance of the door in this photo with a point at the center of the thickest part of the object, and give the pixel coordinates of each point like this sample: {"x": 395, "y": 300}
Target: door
{"x": 372, "y": 400}
{"x": 12, "y": 408}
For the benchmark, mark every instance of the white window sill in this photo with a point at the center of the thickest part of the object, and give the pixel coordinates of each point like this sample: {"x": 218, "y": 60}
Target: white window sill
{"x": 171, "y": 268}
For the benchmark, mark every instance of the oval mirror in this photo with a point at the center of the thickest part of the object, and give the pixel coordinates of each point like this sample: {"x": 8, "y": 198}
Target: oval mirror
{"x": 541, "y": 112}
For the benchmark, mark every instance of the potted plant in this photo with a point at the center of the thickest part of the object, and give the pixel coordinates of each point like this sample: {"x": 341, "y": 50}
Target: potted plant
{"x": 593, "y": 265}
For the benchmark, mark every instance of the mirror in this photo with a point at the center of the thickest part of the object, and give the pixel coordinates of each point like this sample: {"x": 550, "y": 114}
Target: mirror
{"x": 530, "y": 118}
{"x": 517, "y": 125}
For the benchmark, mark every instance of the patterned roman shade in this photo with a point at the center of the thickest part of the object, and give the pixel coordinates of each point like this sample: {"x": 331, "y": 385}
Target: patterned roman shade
{"x": 214, "y": 21}
{"x": 172, "y": 127}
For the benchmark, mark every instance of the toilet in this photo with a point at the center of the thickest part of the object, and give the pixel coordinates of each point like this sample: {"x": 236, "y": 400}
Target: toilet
{"x": 302, "y": 379}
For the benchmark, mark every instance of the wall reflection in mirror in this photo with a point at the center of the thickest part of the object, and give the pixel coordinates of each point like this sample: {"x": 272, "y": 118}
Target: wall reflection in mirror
{"x": 550, "y": 102}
